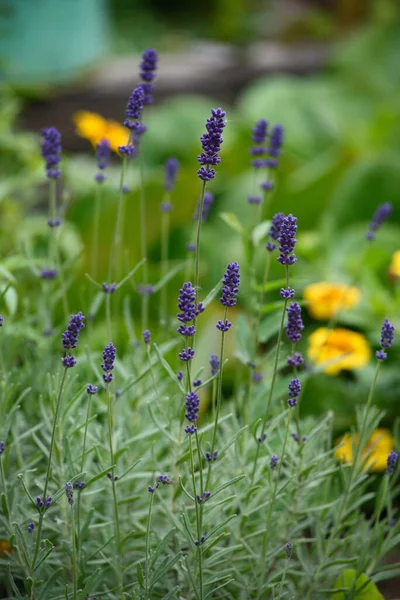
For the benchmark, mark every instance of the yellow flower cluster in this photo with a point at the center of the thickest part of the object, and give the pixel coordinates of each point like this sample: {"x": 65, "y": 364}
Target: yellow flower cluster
{"x": 326, "y": 299}
{"x": 338, "y": 349}
{"x": 94, "y": 127}
{"x": 394, "y": 269}
{"x": 375, "y": 452}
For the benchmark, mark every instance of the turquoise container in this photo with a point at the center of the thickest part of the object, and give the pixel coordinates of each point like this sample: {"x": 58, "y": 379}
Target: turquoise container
{"x": 46, "y": 41}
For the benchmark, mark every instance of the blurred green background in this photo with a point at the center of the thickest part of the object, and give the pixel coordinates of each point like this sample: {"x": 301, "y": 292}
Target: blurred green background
{"x": 341, "y": 159}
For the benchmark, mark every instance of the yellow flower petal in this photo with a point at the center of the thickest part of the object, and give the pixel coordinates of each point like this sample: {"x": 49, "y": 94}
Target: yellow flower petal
{"x": 376, "y": 450}
{"x": 394, "y": 269}
{"x": 94, "y": 128}
{"x": 338, "y": 349}
{"x": 326, "y": 299}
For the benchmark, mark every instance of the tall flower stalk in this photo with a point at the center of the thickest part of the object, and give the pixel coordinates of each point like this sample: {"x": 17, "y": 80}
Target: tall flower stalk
{"x": 171, "y": 170}
{"x": 287, "y": 242}
{"x": 103, "y": 156}
{"x": 209, "y": 158}
{"x": 69, "y": 341}
{"x": 109, "y": 355}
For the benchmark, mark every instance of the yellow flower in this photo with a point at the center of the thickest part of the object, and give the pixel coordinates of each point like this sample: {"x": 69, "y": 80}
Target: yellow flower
{"x": 95, "y": 128}
{"x": 326, "y": 299}
{"x": 394, "y": 269}
{"x": 338, "y": 349}
{"x": 377, "y": 449}
{"x": 5, "y": 548}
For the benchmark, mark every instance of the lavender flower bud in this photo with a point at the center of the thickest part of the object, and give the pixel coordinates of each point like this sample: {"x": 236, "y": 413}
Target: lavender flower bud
{"x": 51, "y": 151}
{"x": 109, "y": 355}
{"x": 256, "y": 200}
{"x": 103, "y": 152}
{"x": 211, "y": 144}
{"x": 231, "y": 283}
{"x": 296, "y": 360}
{"x": 391, "y": 462}
{"x": 80, "y": 485}
{"x": 134, "y": 109}
{"x": 289, "y": 549}
{"x": 387, "y": 334}
{"x": 146, "y": 336}
{"x": 186, "y": 355}
{"x": 214, "y": 363}
{"x": 31, "y": 527}
{"x": 276, "y": 141}
{"x": 224, "y": 325}
{"x": 179, "y": 376}
{"x": 92, "y": 389}
{"x": 109, "y": 288}
{"x": 382, "y": 213}
{"x": 286, "y": 293}
{"x": 70, "y": 336}
{"x": 147, "y": 73}
{"x": 287, "y": 240}
{"x": 2, "y": 447}
{"x": 275, "y": 230}
{"x": 192, "y": 407}
{"x": 294, "y": 391}
{"x": 69, "y": 492}
{"x": 295, "y": 324}
{"x": 274, "y": 461}
{"x": 48, "y": 274}
{"x": 68, "y": 361}
{"x": 171, "y": 170}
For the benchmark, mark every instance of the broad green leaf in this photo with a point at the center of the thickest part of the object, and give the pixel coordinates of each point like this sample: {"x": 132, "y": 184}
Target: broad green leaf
{"x": 348, "y": 579}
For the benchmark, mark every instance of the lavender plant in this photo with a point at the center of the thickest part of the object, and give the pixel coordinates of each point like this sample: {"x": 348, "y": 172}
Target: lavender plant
{"x": 145, "y": 474}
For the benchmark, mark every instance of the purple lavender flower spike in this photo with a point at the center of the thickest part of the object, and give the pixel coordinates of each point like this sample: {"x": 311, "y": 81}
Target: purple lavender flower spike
{"x": 295, "y": 324}
{"x": 103, "y": 152}
{"x": 70, "y": 336}
{"x": 68, "y": 361}
{"x": 211, "y": 144}
{"x": 391, "y": 462}
{"x": 214, "y": 363}
{"x": 109, "y": 288}
{"x": 259, "y": 134}
{"x": 275, "y": 230}
{"x": 192, "y": 412}
{"x": 186, "y": 355}
{"x": 146, "y": 336}
{"x": 51, "y": 151}
{"x": 289, "y": 550}
{"x": 294, "y": 390}
{"x": 48, "y": 274}
{"x": 187, "y": 303}
{"x": 381, "y": 214}
{"x": 224, "y": 325}
{"x": 286, "y": 293}
{"x": 92, "y": 389}
{"x": 287, "y": 241}
{"x": 147, "y": 73}
{"x": 134, "y": 110}
{"x": 276, "y": 141}
{"x": 387, "y": 335}
{"x": 231, "y": 283}
{"x": 207, "y": 202}
{"x": 109, "y": 355}
{"x": 296, "y": 360}
{"x": 273, "y": 463}
{"x": 256, "y": 200}
{"x": 69, "y": 492}
{"x": 171, "y": 170}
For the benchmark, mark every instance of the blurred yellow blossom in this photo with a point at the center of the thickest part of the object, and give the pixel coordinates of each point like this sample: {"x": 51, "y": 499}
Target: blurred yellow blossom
{"x": 338, "y": 349}
{"x": 377, "y": 449}
{"x": 394, "y": 269}
{"x": 5, "y": 549}
{"x": 95, "y": 128}
{"x": 326, "y": 299}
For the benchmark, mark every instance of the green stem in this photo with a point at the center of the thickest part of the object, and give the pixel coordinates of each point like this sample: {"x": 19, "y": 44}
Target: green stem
{"x": 108, "y": 315}
{"x": 197, "y": 258}
{"x": 89, "y": 406}
{"x": 148, "y": 545}
{"x": 54, "y": 245}
{"x": 116, "y": 236}
{"x": 270, "y": 507}
{"x": 219, "y": 400}
{"x": 198, "y": 519}
{"x": 114, "y": 492}
{"x": 143, "y": 247}
{"x": 96, "y": 228}
{"x": 164, "y": 262}
{"x": 271, "y": 389}
{"x": 74, "y": 561}
{"x": 46, "y": 483}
